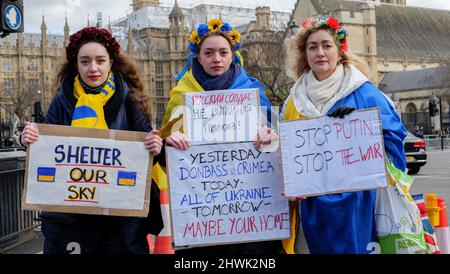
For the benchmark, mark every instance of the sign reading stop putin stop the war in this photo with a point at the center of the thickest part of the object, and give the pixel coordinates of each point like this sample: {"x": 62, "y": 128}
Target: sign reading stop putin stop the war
{"x": 90, "y": 171}
{"x": 329, "y": 155}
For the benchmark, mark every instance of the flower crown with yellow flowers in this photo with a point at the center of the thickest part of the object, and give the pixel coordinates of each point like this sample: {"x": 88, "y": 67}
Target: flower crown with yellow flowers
{"x": 213, "y": 25}
{"x": 333, "y": 24}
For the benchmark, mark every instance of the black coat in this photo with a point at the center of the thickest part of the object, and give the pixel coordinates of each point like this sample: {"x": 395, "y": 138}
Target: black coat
{"x": 93, "y": 233}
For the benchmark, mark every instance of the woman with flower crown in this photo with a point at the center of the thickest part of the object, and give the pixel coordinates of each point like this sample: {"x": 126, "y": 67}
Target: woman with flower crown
{"x": 331, "y": 81}
{"x": 98, "y": 87}
{"x": 215, "y": 64}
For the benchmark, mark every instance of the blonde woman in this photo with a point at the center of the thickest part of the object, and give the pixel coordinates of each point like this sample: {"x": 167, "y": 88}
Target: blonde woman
{"x": 330, "y": 80}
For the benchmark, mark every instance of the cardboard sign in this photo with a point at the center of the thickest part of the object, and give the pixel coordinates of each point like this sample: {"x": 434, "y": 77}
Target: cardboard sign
{"x": 330, "y": 155}
{"x": 222, "y": 116}
{"x": 90, "y": 171}
{"x": 226, "y": 193}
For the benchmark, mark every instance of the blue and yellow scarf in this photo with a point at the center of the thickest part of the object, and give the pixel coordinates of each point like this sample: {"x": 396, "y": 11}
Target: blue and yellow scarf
{"x": 89, "y": 108}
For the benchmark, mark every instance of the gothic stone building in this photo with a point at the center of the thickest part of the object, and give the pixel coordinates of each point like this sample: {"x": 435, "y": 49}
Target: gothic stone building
{"x": 28, "y": 64}
{"x": 154, "y": 35}
{"x": 158, "y": 38}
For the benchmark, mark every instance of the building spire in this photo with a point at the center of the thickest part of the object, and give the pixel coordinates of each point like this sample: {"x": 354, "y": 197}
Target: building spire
{"x": 44, "y": 41}
{"x": 66, "y": 25}
{"x": 66, "y": 31}
{"x": 130, "y": 39}
{"x": 43, "y": 25}
{"x": 109, "y": 24}
{"x": 176, "y": 16}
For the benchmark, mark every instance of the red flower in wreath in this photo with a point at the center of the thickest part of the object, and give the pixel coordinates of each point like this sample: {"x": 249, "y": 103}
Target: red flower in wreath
{"x": 75, "y": 36}
{"x": 116, "y": 47}
{"x": 333, "y": 23}
{"x": 344, "y": 45}
{"x": 91, "y": 31}
{"x": 105, "y": 33}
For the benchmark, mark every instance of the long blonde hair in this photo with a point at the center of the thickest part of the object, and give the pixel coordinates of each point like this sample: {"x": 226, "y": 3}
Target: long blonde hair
{"x": 297, "y": 62}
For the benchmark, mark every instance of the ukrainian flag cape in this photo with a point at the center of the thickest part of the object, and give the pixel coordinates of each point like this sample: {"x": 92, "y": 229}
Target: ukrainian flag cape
{"x": 345, "y": 222}
{"x": 189, "y": 84}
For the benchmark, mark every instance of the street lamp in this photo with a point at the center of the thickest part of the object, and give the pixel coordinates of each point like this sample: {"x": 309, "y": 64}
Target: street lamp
{"x": 42, "y": 96}
{"x": 38, "y": 106}
{"x": 293, "y": 27}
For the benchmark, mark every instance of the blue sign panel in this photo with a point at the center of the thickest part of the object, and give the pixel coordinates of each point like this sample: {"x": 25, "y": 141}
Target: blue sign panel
{"x": 12, "y": 17}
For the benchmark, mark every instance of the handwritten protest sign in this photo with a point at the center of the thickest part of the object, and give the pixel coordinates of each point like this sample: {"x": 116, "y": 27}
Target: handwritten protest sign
{"x": 226, "y": 193}
{"x": 329, "y": 155}
{"x": 221, "y": 116}
{"x": 91, "y": 171}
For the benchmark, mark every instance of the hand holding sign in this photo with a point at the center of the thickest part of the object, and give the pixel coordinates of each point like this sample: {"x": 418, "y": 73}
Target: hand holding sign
{"x": 266, "y": 136}
{"x": 327, "y": 155}
{"x": 153, "y": 142}
{"x": 30, "y": 133}
{"x": 90, "y": 171}
{"x": 178, "y": 140}
{"x": 225, "y": 193}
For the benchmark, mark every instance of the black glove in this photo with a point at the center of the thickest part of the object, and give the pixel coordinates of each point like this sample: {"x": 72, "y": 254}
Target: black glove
{"x": 340, "y": 112}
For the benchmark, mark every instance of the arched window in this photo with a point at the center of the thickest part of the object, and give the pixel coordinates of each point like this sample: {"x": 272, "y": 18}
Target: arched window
{"x": 411, "y": 108}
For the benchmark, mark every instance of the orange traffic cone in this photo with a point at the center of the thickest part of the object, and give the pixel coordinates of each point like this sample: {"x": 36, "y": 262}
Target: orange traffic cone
{"x": 442, "y": 230}
{"x": 163, "y": 242}
{"x": 431, "y": 205}
{"x": 150, "y": 243}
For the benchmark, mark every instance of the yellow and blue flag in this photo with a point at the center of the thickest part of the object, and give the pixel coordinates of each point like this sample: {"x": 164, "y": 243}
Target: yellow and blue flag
{"x": 84, "y": 116}
{"x": 89, "y": 108}
{"x": 126, "y": 178}
{"x": 46, "y": 174}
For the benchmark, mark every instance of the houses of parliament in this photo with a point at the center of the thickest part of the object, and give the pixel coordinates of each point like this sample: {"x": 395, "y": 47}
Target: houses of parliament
{"x": 153, "y": 35}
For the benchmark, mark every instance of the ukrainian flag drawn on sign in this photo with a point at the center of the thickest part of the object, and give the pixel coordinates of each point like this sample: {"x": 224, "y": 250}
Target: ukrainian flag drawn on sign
{"x": 46, "y": 174}
{"x": 126, "y": 178}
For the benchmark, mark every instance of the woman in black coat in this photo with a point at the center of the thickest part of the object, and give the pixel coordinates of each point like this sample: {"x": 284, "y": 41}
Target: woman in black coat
{"x": 98, "y": 75}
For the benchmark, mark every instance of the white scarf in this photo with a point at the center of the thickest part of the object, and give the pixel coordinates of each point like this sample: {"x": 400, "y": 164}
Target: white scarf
{"x": 313, "y": 98}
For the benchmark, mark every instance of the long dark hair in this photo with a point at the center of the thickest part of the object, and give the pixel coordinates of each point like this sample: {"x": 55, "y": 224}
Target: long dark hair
{"x": 122, "y": 65}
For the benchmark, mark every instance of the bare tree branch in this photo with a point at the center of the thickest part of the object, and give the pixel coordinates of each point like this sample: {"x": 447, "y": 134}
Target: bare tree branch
{"x": 264, "y": 56}
{"x": 20, "y": 96}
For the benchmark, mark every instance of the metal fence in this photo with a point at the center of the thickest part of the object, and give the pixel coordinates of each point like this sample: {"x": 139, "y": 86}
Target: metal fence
{"x": 411, "y": 120}
{"x": 16, "y": 224}
{"x": 435, "y": 141}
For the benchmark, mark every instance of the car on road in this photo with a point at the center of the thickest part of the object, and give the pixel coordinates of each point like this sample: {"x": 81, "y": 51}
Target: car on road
{"x": 416, "y": 155}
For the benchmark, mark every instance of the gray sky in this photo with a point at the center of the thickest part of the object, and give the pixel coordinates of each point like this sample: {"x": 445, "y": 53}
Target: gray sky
{"x": 78, "y": 10}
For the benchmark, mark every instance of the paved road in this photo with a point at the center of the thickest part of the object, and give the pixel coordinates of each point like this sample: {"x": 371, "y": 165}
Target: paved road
{"x": 33, "y": 246}
{"x": 434, "y": 177}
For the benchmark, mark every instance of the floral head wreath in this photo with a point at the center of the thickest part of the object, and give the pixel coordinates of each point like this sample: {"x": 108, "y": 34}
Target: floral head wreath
{"x": 333, "y": 24}
{"x": 88, "y": 34}
{"x": 214, "y": 25}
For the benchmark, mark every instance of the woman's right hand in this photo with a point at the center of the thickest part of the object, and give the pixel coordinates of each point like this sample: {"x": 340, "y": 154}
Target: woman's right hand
{"x": 30, "y": 133}
{"x": 178, "y": 140}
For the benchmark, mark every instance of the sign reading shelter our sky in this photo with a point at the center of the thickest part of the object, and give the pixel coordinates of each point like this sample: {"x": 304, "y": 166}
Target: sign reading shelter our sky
{"x": 89, "y": 171}
{"x": 222, "y": 116}
{"x": 329, "y": 155}
{"x": 226, "y": 193}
